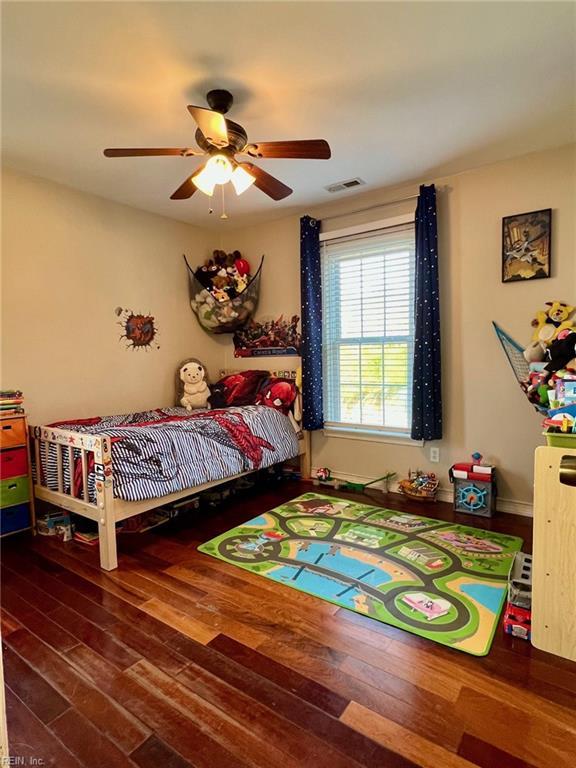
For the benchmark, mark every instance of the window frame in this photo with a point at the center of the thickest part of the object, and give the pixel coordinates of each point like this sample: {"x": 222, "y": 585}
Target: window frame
{"x": 367, "y": 432}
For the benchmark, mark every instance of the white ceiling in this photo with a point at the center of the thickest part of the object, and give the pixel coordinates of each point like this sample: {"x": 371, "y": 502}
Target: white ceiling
{"x": 401, "y": 91}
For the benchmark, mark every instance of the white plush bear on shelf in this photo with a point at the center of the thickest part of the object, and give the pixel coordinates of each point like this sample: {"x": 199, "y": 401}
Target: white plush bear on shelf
{"x": 193, "y": 389}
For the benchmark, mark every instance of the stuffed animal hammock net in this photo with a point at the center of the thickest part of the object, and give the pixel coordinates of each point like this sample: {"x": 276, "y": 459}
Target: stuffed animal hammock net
{"x": 518, "y": 363}
{"x": 223, "y": 316}
{"x": 515, "y": 354}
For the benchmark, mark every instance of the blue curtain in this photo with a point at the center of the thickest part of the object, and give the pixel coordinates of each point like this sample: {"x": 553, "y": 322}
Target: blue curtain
{"x": 311, "y": 294}
{"x": 426, "y": 377}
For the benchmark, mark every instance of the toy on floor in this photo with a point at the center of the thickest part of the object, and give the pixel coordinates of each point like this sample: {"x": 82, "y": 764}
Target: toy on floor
{"x": 192, "y": 386}
{"x": 474, "y": 486}
{"x": 420, "y": 486}
{"x": 324, "y": 477}
{"x": 55, "y": 524}
{"x": 518, "y": 612}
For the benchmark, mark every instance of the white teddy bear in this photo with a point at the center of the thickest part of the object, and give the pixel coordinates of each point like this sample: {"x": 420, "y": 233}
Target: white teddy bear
{"x": 193, "y": 389}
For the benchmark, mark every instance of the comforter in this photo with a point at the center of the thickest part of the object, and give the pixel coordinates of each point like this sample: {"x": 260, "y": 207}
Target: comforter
{"x": 159, "y": 452}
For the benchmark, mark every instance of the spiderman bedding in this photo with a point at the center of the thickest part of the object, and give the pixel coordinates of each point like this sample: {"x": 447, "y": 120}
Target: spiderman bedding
{"x": 159, "y": 452}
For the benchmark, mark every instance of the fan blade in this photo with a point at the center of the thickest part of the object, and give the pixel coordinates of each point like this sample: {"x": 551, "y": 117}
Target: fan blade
{"x": 186, "y": 189}
{"x": 312, "y": 149}
{"x": 212, "y": 124}
{"x": 184, "y": 152}
{"x": 267, "y": 183}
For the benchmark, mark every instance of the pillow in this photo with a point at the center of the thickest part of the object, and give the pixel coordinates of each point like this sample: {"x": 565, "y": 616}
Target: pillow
{"x": 237, "y": 389}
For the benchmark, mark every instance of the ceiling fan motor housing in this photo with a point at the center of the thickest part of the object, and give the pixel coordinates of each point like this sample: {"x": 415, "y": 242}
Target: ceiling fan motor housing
{"x": 237, "y": 138}
{"x": 219, "y": 100}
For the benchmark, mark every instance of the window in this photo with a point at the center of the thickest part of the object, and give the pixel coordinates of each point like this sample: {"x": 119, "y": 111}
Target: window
{"x": 368, "y": 328}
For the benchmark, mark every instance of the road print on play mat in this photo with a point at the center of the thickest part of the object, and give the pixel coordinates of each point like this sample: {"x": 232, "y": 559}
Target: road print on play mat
{"x": 442, "y": 581}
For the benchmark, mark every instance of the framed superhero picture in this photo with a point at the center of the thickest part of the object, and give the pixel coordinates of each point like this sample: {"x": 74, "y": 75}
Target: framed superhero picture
{"x": 526, "y": 246}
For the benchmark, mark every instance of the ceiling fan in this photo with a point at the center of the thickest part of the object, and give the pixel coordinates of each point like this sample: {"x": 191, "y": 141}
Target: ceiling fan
{"x": 221, "y": 140}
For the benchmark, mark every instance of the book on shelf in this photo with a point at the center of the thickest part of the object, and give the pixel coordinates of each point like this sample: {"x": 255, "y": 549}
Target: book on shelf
{"x": 11, "y": 402}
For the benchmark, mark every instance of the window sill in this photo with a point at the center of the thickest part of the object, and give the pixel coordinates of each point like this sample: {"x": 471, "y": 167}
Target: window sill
{"x": 372, "y": 436}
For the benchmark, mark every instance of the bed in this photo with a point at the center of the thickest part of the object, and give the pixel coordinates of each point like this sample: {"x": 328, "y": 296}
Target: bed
{"x": 108, "y": 469}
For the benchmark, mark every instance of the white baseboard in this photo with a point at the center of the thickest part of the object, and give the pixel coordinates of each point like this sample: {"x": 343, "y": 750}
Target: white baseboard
{"x": 507, "y": 506}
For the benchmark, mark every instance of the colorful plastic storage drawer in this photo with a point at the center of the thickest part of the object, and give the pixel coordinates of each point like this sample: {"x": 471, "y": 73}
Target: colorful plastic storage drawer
{"x": 13, "y": 462}
{"x": 14, "y": 518}
{"x": 14, "y": 490}
{"x": 12, "y": 433}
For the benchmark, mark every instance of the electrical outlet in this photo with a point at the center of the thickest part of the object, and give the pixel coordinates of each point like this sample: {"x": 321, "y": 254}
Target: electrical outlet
{"x": 435, "y": 455}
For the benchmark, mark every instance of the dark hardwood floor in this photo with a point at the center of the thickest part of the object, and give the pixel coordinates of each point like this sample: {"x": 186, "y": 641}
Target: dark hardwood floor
{"x": 177, "y": 659}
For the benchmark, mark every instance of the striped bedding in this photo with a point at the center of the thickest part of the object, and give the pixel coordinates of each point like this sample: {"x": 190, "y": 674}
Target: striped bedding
{"x": 159, "y": 452}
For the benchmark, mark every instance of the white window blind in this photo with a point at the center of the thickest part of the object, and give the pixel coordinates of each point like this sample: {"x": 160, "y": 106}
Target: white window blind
{"x": 368, "y": 329}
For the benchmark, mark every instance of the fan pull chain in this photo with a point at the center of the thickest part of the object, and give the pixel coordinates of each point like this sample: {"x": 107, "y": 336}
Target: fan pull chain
{"x": 223, "y": 215}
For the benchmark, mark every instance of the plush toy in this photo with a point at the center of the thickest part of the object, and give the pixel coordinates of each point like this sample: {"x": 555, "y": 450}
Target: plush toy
{"x": 192, "y": 386}
{"x": 278, "y": 394}
{"x": 225, "y": 275}
{"x": 238, "y": 388}
{"x": 549, "y": 323}
{"x": 561, "y": 354}
{"x": 535, "y": 352}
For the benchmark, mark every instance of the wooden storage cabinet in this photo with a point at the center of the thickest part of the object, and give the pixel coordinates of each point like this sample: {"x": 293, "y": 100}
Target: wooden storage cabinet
{"x": 16, "y": 495}
{"x": 553, "y": 571}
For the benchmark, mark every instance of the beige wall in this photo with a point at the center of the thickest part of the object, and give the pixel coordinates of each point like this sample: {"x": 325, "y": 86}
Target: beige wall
{"x": 69, "y": 259}
{"x": 484, "y": 409}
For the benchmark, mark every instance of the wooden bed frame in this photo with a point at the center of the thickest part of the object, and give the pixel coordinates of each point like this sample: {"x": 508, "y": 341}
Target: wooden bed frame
{"x": 108, "y": 510}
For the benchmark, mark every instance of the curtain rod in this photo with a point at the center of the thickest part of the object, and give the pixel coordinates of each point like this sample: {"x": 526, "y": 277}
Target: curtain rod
{"x": 368, "y": 208}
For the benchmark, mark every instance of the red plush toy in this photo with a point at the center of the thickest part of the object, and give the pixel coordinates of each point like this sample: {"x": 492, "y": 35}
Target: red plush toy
{"x": 278, "y": 394}
{"x": 237, "y": 389}
{"x": 242, "y": 266}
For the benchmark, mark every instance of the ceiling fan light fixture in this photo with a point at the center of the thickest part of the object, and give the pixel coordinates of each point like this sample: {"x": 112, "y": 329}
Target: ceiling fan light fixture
{"x": 241, "y": 180}
{"x": 204, "y": 182}
{"x": 218, "y": 170}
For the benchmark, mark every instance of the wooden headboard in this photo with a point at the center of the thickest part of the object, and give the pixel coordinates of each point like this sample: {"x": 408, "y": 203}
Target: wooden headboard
{"x": 285, "y": 373}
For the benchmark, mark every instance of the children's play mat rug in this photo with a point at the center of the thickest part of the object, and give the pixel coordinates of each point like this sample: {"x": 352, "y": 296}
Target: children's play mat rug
{"x": 439, "y": 580}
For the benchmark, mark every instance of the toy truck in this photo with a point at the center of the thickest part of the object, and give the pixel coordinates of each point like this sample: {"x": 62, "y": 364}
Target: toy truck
{"x": 518, "y": 614}
{"x": 517, "y": 621}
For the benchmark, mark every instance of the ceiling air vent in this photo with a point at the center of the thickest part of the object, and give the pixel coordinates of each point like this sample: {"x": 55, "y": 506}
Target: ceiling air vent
{"x": 340, "y": 186}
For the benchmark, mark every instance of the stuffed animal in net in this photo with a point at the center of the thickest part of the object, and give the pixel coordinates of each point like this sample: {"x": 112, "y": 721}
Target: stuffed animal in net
{"x": 225, "y": 276}
{"x": 548, "y": 325}
{"x": 561, "y": 354}
{"x": 192, "y": 384}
